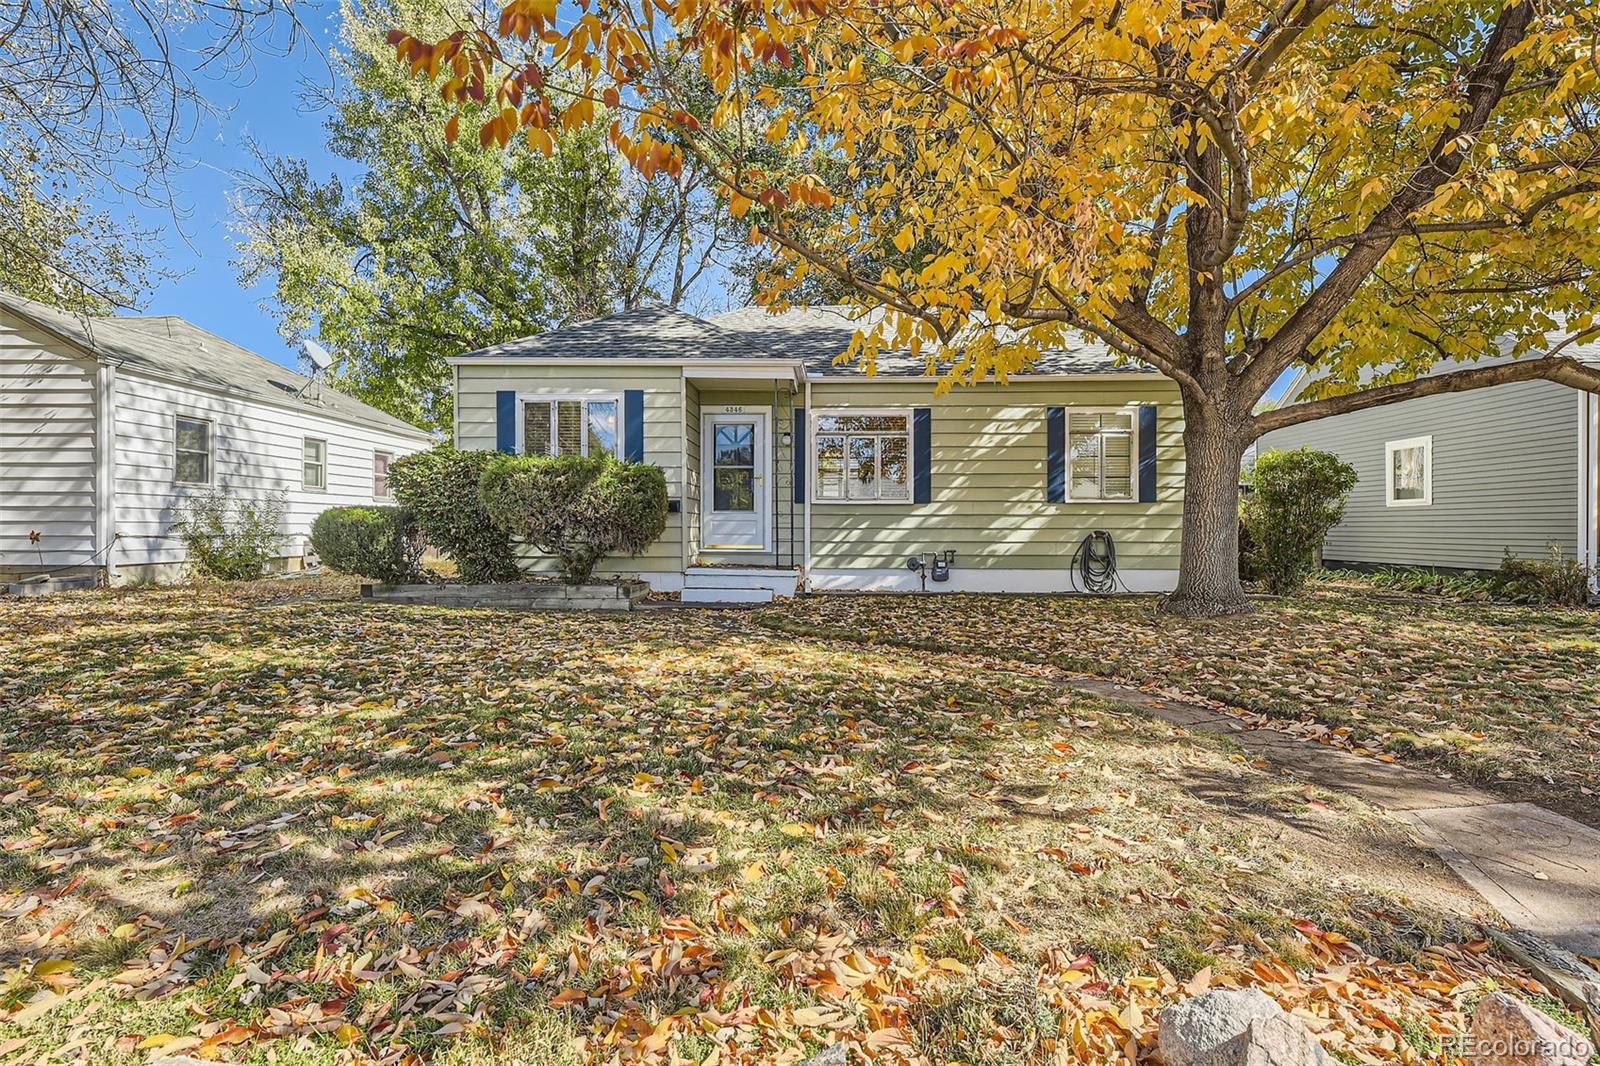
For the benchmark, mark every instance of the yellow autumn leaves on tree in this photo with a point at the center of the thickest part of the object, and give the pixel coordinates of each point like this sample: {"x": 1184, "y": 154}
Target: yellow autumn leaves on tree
{"x": 1222, "y": 191}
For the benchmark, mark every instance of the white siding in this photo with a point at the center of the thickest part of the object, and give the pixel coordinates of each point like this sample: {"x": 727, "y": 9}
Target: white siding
{"x": 257, "y": 449}
{"x": 47, "y": 459}
{"x": 1505, "y": 476}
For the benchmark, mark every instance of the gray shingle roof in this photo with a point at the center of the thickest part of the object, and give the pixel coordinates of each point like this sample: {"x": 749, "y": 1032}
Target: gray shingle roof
{"x": 642, "y": 333}
{"x": 813, "y": 335}
{"x": 818, "y": 335}
{"x": 173, "y": 348}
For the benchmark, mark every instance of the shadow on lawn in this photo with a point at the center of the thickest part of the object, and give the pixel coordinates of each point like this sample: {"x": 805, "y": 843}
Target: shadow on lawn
{"x": 228, "y": 773}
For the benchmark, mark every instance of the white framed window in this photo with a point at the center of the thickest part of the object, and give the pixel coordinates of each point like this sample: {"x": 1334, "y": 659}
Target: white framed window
{"x": 1101, "y": 446}
{"x": 861, "y": 456}
{"x": 578, "y": 425}
{"x": 314, "y": 464}
{"x": 1408, "y": 472}
{"x": 192, "y": 451}
{"x": 380, "y": 474}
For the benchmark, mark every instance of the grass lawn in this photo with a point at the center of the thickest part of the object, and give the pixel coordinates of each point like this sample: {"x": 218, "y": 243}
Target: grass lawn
{"x": 1504, "y": 696}
{"x": 273, "y": 823}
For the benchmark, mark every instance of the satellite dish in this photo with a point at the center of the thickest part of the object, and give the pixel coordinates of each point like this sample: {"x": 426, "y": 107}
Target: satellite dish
{"x": 317, "y": 354}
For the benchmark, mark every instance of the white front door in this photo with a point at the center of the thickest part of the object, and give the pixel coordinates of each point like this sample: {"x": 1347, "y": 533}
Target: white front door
{"x": 734, "y": 513}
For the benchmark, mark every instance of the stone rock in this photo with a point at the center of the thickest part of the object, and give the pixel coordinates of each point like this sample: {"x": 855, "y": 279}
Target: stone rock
{"x": 832, "y": 1055}
{"x": 1507, "y": 1032}
{"x": 1244, "y": 1027}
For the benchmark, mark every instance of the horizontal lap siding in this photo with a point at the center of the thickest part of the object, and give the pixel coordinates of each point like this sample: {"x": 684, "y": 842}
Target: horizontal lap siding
{"x": 1505, "y": 475}
{"x": 257, "y": 449}
{"x": 47, "y": 458}
{"x": 663, "y": 438}
{"x": 988, "y": 479}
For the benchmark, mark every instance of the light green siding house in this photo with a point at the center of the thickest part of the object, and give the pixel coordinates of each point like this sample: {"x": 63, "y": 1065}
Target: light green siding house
{"x": 786, "y": 470}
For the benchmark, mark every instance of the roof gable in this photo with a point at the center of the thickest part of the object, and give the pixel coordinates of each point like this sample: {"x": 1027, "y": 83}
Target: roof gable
{"x": 169, "y": 347}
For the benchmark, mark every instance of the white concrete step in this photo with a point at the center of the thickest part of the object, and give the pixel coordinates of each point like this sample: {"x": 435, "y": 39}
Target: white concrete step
{"x": 778, "y": 581}
{"x": 695, "y": 594}
{"x": 781, "y": 586}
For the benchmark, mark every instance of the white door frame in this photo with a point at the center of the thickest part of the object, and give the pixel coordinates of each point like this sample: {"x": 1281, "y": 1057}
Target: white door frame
{"x": 762, "y": 416}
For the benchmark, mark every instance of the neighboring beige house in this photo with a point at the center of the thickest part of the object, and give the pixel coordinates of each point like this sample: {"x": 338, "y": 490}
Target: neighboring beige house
{"x": 785, "y": 468}
{"x": 106, "y": 424}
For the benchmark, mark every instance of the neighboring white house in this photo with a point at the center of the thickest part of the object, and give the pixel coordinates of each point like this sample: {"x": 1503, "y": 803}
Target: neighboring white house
{"x": 106, "y": 424}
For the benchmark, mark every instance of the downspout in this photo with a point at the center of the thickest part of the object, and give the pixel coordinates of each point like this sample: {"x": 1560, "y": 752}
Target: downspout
{"x": 105, "y": 472}
{"x": 1589, "y": 485}
{"x": 805, "y": 571}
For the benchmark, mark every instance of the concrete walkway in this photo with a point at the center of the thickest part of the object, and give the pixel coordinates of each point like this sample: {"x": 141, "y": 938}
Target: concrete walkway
{"x": 1539, "y": 869}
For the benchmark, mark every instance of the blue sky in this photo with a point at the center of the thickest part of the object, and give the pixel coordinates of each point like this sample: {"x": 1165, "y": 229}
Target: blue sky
{"x": 264, "y": 104}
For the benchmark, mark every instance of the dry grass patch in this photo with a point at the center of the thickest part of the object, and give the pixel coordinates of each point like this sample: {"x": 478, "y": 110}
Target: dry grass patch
{"x": 275, "y": 823}
{"x": 1503, "y": 696}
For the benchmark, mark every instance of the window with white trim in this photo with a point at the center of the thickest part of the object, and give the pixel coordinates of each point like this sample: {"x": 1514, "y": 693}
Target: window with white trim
{"x": 191, "y": 449}
{"x": 862, "y": 456}
{"x": 380, "y": 474}
{"x": 1100, "y": 451}
{"x": 570, "y": 427}
{"x": 1408, "y": 473}
{"x": 314, "y": 465}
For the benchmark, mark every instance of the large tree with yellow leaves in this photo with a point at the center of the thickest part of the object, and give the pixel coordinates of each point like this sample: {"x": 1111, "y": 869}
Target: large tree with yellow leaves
{"x": 1222, "y": 189}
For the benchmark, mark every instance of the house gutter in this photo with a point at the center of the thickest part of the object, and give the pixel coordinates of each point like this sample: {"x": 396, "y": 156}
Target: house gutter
{"x": 1589, "y": 485}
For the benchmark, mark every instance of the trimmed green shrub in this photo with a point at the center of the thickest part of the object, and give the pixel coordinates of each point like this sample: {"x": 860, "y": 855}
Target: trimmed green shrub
{"x": 439, "y": 487}
{"x": 382, "y": 543}
{"x": 227, "y": 538}
{"x": 1293, "y": 498}
{"x": 575, "y": 508}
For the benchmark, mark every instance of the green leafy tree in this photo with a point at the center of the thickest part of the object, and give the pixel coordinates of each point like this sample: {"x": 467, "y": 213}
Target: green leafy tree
{"x": 438, "y": 247}
{"x": 58, "y": 249}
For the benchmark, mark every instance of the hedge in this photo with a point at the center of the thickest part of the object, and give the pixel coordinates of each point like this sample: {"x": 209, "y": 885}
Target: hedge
{"x": 383, "y": 543}
{"x": 440, "y": 489}
{"x": 576, "y": 508}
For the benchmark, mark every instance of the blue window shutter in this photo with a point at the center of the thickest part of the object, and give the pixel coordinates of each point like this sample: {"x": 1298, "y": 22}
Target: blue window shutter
{"x": 922, "y": 454}
{"x": 505, "y": 421}
{"x": 1055, "y": 447}
{"x": 633, "y": 425}
{"x": 799, "y": 439}
{"x": 1147, "y": 453}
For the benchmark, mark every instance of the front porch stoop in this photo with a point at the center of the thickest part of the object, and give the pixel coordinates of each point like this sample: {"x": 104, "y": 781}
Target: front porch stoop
{"x": 738, "y": 584}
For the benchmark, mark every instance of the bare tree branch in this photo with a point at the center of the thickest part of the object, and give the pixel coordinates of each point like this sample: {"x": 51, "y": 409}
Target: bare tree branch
{"x": 1558, "y": 368}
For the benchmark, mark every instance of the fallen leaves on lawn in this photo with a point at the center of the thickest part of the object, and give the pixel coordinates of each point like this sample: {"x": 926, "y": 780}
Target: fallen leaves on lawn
{"x": 274, "y": 817}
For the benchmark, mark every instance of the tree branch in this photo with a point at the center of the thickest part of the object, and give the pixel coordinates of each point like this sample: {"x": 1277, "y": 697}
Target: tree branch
{"x": 1561, "y": 369}
{"x": 1486, "y": 85}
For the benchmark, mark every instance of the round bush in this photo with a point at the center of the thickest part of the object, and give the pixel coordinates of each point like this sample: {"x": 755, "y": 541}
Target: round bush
{"x": 575, "y": 508}
{"x": 1294, "y": 498}
{"x": 382, "y": 543}
{"x": 440, "y": 489}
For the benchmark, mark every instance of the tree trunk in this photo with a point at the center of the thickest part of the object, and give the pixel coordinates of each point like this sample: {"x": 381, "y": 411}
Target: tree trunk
{"x": 1208, "y": 575}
